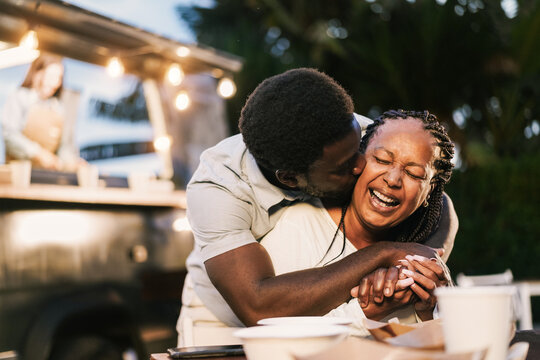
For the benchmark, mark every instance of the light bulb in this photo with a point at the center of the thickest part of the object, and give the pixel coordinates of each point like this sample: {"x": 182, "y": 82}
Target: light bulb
{"x": 181, "y": 224}
{"x": 182, "y": 101}
{"x": 162, "y": 143}
{"x": 183, "y": 51}
{"x": 29, "y": 40}
{"x": 115, "y": 68}
{"x": 226, "y": 88}
{"x": 175, "y": 75}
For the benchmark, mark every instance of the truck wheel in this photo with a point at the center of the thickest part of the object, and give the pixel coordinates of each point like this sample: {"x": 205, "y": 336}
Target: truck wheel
{"x": 86, "y": 347}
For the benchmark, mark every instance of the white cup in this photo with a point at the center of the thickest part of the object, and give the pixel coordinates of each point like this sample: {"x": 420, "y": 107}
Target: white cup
{"x": 476, "y": 318}
{"x": 21, "y": 173}
{"x": 88, "y": 176}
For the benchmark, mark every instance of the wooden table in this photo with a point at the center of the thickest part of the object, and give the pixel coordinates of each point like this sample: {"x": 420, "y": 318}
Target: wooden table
{"x": 530, "y": 336}
{"x": 165, "y": 356}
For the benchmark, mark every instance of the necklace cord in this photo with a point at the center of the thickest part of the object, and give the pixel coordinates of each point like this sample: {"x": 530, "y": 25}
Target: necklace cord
{"x": 341, "y": 225}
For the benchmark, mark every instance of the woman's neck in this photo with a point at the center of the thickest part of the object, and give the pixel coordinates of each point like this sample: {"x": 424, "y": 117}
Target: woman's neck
{"x": 356, "y": 233}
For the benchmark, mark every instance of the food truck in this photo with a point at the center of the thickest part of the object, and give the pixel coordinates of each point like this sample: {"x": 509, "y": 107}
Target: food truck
{"x": 96, "y": 270}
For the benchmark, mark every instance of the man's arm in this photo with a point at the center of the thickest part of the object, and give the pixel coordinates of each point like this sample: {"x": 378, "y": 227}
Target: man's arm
{"x": 245, "y": 278}
{"x": 445, "y": 234}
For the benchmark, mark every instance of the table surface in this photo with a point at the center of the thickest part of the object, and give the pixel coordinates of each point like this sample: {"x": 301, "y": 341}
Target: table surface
{"x": 106, "y": 196}
{"x": 166, "y": 356}
{"x": 530, "y": 336}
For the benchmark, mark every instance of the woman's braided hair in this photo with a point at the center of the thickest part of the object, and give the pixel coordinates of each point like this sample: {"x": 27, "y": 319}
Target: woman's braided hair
{"x": 425, "y": 220}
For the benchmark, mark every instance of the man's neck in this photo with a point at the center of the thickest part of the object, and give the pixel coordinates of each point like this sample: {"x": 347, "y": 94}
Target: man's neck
{"x": 270, "y": 176}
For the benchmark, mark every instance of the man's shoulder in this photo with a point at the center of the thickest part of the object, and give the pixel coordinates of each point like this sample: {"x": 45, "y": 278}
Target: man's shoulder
{"x": 229, "y": 167}
{"x": 222, "y": 160}
{"x": 305, "y": 212}
{"x": 363, "y": 122}
{"x": 226, "y": 147}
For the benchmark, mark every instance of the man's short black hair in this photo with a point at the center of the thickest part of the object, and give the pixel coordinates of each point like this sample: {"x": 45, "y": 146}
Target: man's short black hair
{"x": 290, "y": 117}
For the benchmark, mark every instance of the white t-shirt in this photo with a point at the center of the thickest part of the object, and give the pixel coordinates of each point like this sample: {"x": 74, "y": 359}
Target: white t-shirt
{"x": 302, "y": 239}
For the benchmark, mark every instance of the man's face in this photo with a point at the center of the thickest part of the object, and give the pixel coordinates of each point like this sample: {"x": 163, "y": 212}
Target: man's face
{"x": 332, "y": 176}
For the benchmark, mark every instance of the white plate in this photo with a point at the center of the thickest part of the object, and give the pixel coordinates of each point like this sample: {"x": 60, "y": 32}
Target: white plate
{"x": 288, "y": 331}
{"x": 305, "y": 320}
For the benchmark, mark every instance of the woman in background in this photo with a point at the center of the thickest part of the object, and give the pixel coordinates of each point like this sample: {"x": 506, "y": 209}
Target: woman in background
{"x": 33, "y": 119}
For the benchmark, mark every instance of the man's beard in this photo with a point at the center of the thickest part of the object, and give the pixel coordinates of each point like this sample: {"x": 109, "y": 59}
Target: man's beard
{"x": 341, "y": 195}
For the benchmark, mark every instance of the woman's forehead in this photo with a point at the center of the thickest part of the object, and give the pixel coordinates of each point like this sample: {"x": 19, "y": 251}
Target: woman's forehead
{"x": 393, "y": 128}
{"x": 403, "y": 136}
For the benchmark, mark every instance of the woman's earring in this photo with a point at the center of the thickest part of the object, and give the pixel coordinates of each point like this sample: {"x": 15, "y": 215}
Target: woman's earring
{"x": 426, "y": 203}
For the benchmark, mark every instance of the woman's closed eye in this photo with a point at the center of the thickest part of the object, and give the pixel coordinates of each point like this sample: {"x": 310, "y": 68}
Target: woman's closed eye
{"x": 416, "y": 176}
{"x": 383, "y": 161}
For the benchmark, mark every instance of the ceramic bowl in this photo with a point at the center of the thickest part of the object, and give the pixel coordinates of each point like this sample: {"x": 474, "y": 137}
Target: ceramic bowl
{"x": 284, "y": 342}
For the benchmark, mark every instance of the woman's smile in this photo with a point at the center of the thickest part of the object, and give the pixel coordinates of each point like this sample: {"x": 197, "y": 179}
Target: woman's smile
{"x": 386, "y": 203}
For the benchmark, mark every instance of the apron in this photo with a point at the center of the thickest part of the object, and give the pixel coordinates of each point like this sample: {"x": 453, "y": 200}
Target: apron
{"x": 44, "y": 125}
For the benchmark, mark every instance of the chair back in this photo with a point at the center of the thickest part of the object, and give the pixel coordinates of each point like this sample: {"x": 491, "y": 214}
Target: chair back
{"x": 504, "y": 278}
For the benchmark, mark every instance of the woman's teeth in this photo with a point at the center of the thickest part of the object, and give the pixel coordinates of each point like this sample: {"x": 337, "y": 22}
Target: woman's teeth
{"x": 384, "y": 200}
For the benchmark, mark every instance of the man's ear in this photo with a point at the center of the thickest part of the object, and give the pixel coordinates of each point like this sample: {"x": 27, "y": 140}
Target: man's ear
{"x": 287, "y": 178}
{"x": 360, "y": 165}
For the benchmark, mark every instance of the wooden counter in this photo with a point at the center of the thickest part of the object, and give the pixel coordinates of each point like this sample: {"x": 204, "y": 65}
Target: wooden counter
{"x": 105, "y": 196}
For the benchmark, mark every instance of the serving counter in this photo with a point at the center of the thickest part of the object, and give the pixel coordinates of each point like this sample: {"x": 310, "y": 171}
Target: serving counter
{"x": 97, "y": 196}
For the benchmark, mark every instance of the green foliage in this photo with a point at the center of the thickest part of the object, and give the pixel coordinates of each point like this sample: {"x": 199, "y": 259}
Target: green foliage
{"x": 464, "y": 55}
{"x": 499, "y": 218}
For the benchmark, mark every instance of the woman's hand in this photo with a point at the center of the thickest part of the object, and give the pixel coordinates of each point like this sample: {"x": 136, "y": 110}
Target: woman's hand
{"x": 47, "y": 160}
{"x": 428, "y": 274}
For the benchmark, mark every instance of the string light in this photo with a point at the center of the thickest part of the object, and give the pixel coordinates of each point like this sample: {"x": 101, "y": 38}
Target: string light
{"x": 226, "y": 88}
{"x": 115, "y": 68}
{"x": 183, "y": 51}
{"x": 181, "y": 224}
{"x": 162, "y": 143}
{"x": 182, "y": 101}
{"x": 175, "y": 74}
{"x": 29, "y": 40}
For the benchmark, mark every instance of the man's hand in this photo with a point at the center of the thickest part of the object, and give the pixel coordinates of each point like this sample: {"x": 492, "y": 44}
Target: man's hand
{"x": 398, "y": 251}
{"x": 382, "y": 292}
{"x": 376, "y": 311}
{"x": 381, "y": 283}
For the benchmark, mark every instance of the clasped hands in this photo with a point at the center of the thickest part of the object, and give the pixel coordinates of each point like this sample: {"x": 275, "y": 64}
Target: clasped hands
{"x": 412, "y": 281}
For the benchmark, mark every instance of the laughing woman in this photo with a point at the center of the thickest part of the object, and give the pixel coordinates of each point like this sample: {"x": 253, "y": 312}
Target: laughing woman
{"x": 398, "y": 197}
